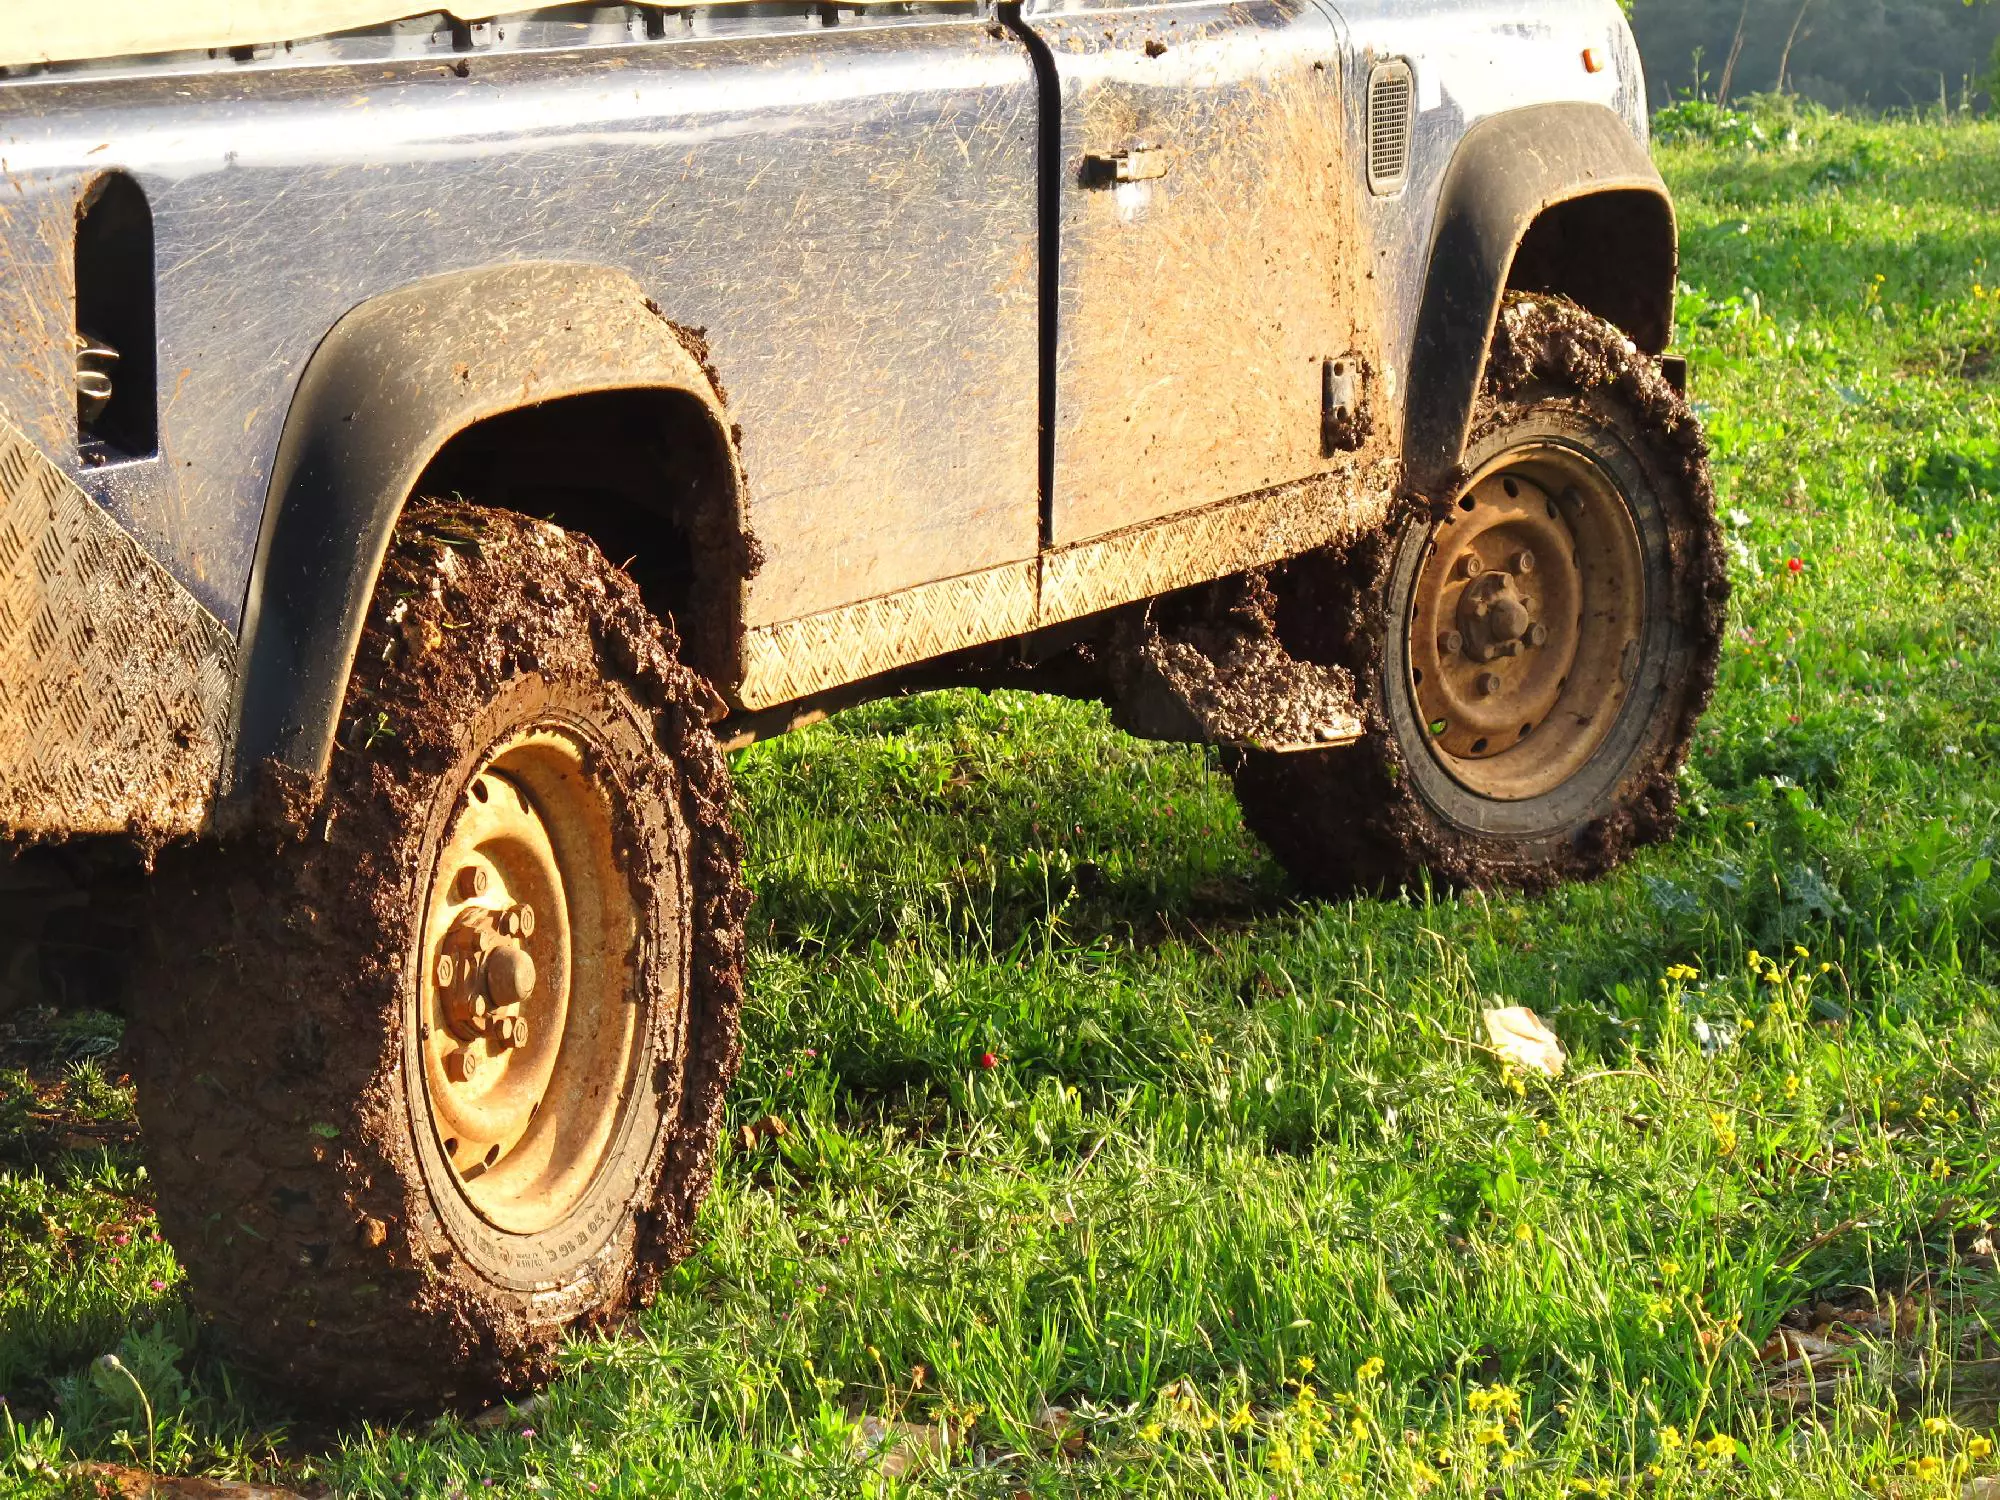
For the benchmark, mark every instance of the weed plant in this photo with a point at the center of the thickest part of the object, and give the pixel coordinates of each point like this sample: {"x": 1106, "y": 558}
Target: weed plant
{"x": 1111, "y": 1166}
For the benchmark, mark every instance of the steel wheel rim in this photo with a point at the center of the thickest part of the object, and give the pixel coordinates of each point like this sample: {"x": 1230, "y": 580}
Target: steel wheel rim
{"x": 527, "y": 1026}
{"x": 1525, "y": 622}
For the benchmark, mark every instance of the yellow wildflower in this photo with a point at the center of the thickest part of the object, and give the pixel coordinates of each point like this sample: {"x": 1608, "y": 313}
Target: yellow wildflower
{"x": 1979, "y": 1447}
{"x": 1670, "y": 1269}
{"x": 1800, "y": 951}
{"x": 1503, "y": 1399}
{"x": 1151, "y": 1432}
{"x": 1927, "y": 1466}
{"x": 1936, "y": 1426}
{"x": 1371, "y": 1369}
{"x": 1724, "y": 1130}
{"x": 1670, "y": 1439}
{"x": 1240, "y": 1419}
{"x": 1791, "y": 1087}
{"x": 1940, "y": 1169}
{"x": 1306, "y": 1364}
{"x": 1682, "y": 972}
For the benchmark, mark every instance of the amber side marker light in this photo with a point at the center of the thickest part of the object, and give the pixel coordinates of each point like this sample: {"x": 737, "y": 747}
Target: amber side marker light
{"x": 1592, "y": 63}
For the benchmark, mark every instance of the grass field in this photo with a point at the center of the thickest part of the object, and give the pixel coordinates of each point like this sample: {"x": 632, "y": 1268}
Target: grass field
{"x": 1242, "y": 1194}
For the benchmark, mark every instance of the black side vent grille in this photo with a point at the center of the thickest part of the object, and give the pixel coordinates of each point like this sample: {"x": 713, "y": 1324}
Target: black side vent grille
{"x": 1391, "y": 92}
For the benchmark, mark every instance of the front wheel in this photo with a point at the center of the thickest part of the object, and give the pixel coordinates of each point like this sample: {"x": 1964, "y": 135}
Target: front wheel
{"x": 443, "y": 1078}
{"x": 1532, "y": 655}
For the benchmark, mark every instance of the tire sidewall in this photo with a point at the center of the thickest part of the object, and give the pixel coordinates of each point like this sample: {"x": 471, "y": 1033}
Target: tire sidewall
{"x": 1595, "y": 428}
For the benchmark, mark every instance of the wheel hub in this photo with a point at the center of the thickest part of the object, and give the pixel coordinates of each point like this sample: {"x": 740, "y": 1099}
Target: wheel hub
{"x": 1523, "y": 613}
{"x": 527, "y": 1032}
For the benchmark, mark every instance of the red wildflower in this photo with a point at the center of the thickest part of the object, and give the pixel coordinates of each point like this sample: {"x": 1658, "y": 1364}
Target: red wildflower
{"x": 988, "y": 1060}
{"x": 1794, "y": 565}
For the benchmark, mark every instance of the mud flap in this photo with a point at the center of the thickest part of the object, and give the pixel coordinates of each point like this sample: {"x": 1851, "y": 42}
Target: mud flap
{"x": 1233, "y": 685}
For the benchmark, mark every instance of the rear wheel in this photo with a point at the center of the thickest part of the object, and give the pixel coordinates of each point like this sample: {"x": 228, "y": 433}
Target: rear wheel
{"x": 443, "y": 1078}
{"x": 1532, "y": 655}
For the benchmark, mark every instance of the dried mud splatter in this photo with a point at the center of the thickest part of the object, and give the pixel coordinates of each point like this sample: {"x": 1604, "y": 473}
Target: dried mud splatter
{"x": 1351, "y": 820}
{"x": 277, "y": 1121}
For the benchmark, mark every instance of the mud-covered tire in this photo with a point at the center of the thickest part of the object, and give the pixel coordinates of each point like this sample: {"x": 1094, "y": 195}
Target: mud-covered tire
{"x": 1380, "y": 814}
{"x": 336, "y": 1249}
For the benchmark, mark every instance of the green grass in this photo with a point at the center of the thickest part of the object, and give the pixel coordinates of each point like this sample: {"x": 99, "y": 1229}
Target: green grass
{"x": 1243, "y": 1193}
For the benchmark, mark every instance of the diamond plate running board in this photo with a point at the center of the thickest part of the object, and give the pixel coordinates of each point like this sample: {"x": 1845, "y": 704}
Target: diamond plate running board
{"x": 114, "y": 682}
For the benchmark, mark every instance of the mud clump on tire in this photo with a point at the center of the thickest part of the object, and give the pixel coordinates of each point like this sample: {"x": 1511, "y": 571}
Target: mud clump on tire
{"x": 1351, "y": 820}
{"x": 273, "y": 1095}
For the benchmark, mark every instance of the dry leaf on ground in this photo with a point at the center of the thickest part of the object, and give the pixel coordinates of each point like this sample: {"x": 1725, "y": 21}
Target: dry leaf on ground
{"x": 1059, "y": 1425}
{"x": 1806, "y": 1368}
{"x": 901, "y": 1444}
{"x": 1520, "y": 1037}
{"x": 509, "y": 1411}
{"x": 116, "y": 1482}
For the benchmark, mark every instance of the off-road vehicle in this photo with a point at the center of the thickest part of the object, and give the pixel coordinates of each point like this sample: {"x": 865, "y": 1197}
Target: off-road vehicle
{"x": 429, "y": 444}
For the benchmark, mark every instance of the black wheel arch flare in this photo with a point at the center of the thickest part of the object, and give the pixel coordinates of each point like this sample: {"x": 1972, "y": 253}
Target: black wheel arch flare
{"x": 393, "y": 381}
{"x": 1558, "y": 198}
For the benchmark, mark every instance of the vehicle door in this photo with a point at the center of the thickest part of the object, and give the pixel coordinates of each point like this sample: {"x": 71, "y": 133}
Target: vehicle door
{"x": 1206, "y": 252}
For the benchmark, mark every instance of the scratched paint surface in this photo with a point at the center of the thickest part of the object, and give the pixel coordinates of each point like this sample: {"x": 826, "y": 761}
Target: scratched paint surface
{"x": 849, "y": 214}
{"x": 1197, "y": 308}
{"x": 849, "y": 211}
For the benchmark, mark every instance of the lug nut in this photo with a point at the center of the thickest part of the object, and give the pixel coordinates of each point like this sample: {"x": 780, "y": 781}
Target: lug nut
{"x": 1524, "y": 561}
{"x": 463, "y": 1065}
{"x": 1450, "y": 643}
{"x": 473, "y": 881}
{"x": 447, "y": 971}
{"x": 1468, "y": 566}
{"x": 527, "y": 919}
{"x": 1538, "y": 634}
{"x": 1488, "y": 684}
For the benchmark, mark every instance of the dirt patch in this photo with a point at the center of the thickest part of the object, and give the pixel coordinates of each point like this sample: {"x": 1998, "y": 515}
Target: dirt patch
{"x": 274, "y": 1065}
{"x": 1354, "y": 819}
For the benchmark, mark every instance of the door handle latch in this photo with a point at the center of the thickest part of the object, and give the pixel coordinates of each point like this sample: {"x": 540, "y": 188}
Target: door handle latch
{"x": 1135, "y": 164}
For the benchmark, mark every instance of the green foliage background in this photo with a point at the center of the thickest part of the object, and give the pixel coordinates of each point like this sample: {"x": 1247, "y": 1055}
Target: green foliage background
{"x": 1850, "y": 54}
{"x": 1242, "y": 1193}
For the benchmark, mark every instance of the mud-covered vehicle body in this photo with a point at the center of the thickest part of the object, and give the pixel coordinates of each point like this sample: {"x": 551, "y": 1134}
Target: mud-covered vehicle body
{"x": 1290, "y": 374}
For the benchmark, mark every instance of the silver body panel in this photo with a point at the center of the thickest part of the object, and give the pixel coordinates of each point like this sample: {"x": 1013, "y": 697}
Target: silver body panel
{"x": 975, "y": 389}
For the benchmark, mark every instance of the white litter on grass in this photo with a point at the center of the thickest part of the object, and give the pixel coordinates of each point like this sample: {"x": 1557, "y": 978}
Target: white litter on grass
{"x": 1520, "y": 1037}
